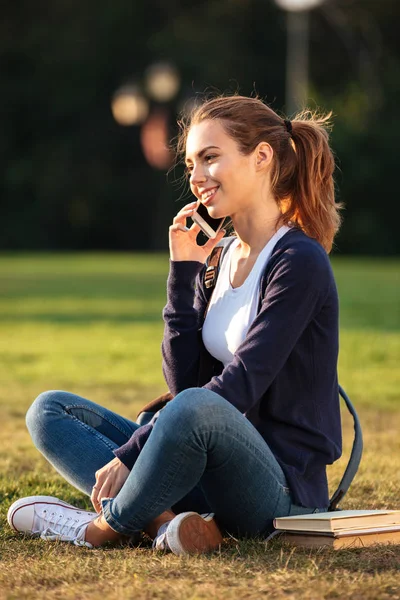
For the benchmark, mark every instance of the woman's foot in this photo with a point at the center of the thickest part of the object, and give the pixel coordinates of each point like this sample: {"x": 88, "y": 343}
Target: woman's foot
{"x": 189, "y": 533}
{"x": 159, "y": 523}
{"x": 51, "y": 519}
{"x": 99, "y": 532}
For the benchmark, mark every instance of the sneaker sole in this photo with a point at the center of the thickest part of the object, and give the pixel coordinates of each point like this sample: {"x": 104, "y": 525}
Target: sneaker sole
{"x": 190, "y": 533}
{"x": 28, "y": 501}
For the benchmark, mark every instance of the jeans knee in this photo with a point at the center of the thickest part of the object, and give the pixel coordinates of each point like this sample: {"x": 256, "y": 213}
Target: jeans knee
{"x": 194, "y": 407}
{"x": 38, "y": 413}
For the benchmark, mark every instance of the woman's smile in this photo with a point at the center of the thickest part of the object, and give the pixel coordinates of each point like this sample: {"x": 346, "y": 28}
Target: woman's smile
{"x": 207, "y": 196}
{"x": 215, "y": 163}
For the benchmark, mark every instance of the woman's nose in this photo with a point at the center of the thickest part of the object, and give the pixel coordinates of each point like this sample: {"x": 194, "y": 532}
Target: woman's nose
{"x": 197, "y": 175}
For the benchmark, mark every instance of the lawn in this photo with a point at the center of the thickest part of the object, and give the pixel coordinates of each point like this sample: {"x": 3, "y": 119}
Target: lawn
{"x": 91, "y": 324}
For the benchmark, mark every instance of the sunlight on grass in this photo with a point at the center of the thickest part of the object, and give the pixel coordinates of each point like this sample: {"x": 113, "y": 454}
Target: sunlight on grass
{"x": 91, "y": 323}
{"x": 99, "y": 353}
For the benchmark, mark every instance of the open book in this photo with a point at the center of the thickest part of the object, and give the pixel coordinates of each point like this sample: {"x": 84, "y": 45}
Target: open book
{"x": 341, "y": 520}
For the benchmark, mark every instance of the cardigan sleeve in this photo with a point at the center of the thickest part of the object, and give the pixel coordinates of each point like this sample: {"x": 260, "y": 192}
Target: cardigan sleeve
{"x": 183, "y": 314}
{"x": 186, "y": 303}
{"x": 129, "y": 452}
{"x": 298, "y": 284}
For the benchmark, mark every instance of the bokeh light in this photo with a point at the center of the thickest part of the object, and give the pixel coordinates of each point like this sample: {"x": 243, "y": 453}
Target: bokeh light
{"x": 129, "y": 106}
{"x": 298, "y": 5}
{"x": 154, "y": 137}
{"x": 162, "y": 81}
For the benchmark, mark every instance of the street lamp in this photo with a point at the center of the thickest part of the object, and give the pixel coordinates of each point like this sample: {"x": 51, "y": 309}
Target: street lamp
{"x": 297, "y": 51}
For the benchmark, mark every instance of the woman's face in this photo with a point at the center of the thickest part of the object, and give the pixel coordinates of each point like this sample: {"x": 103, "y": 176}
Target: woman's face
{"x": 221, "y": 177}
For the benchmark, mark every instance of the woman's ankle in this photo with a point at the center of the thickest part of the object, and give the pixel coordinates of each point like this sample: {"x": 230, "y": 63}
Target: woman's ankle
{"x": 99, "y": 532}
{"x": 152, "y": 528}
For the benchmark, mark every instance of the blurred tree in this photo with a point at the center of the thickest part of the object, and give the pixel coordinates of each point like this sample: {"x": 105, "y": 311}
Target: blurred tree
{"x": 365, "y": 99}
{"x": 72, "y": 178}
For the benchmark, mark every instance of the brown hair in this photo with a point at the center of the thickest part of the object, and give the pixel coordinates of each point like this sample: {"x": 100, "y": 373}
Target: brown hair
{"x": 303, "y": 164}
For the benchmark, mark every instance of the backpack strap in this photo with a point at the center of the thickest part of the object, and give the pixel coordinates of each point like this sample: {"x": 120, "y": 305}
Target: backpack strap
{"x": 355, "y": 456}
{"x": 213, "y": 263}
{"x": 211, "y": 273}
{"x": 156, "y": 404}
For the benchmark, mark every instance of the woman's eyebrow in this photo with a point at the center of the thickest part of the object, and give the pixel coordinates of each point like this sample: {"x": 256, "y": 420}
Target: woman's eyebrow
{"x": 202, "y": 152}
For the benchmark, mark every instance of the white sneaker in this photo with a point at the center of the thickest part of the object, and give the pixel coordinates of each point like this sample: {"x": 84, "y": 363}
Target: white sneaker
{"x": 51, "y": 519}
{"x": 189, "y": 533}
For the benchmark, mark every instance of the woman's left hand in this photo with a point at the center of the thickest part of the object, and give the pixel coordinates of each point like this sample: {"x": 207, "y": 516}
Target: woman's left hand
{"x": 183, "y": 240}
{"x": 109, "y": 481}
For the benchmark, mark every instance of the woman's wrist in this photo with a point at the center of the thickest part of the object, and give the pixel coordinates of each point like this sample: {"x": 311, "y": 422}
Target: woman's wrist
{"x": 183, "y": 273}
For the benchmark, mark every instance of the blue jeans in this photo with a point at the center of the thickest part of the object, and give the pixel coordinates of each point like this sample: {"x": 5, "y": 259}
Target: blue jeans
{"x": 202, "y": 455}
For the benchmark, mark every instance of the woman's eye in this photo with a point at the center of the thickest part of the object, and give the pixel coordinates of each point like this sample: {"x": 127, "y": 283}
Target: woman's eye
{"x": 209, "y": 157}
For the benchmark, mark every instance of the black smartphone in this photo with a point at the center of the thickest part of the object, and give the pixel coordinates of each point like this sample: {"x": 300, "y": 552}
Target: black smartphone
{"x": 207, "y": 224}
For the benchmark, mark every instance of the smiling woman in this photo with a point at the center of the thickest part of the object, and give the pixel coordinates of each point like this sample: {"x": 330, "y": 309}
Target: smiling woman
{"x": 220, "y": 140}
{"x": 251, "y": 364}
{"x": 220, "y": 175}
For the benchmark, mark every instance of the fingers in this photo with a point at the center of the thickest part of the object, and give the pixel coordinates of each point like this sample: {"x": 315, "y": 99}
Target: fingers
{"x": 98, "y": 493}
{"x": 184, "y": 213}
{"x": 179, "y": 222}
{"x": 212, "y": 242}
{"x": 195, "y": 228}
{"x": 94, "y": 499}
{"x": 109, "y": 480}
{"x": 105, "y": 492}
{"x": 98, "y": 490}
{"x": 178, "y": 227}
{"x": 190, "y": 206}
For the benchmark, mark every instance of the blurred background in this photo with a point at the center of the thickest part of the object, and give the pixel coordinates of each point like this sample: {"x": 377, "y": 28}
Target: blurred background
{"x": 90, "y": 93}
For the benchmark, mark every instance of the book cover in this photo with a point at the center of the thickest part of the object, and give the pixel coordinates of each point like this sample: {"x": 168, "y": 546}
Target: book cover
{"x": 339, "y": 520}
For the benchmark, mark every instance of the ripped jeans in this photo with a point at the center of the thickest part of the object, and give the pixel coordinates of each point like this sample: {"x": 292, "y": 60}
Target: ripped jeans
{"x": 202, "y": 455}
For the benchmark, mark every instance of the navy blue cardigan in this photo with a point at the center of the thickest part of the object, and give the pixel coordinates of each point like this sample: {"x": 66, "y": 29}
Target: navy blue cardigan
{"x": 283, "y": 377}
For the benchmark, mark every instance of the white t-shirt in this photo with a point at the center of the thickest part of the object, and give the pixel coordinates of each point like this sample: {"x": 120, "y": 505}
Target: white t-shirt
{"x": 232, "y": 310}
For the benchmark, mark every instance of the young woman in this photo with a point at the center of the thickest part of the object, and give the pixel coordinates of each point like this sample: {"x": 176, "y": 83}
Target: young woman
{"x": 248, "y": 435}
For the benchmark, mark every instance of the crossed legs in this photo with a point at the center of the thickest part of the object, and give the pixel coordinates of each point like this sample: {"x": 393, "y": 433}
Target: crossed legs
{"x": 201, "y": 455}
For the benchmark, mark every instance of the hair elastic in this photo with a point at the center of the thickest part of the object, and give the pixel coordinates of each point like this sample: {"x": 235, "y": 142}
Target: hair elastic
{"x": 288, "y": 125}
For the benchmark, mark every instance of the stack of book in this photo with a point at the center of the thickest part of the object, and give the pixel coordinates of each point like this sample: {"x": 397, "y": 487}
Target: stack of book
{"x": 341, "y": 529}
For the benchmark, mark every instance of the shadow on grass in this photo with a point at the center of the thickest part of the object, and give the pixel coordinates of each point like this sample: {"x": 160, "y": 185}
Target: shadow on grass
{"x": 358, "y": 560}
{"x": 252, "y": 555}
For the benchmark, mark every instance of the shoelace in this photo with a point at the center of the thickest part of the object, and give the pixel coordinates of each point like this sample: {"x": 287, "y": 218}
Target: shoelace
{"x": 60, "y": 526}
{"x": 160, "y": 541}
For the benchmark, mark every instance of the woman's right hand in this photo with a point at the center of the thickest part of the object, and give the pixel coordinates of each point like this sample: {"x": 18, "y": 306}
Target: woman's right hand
{"x": 109, "y": 481}
{"x": 182, "y": 240}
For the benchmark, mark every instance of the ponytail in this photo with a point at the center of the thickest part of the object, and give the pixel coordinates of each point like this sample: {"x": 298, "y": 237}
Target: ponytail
{"x": 310, "y": 200}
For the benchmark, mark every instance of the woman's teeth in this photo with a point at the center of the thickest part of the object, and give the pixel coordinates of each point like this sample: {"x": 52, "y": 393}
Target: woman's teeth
{"x": 209, "y": 193}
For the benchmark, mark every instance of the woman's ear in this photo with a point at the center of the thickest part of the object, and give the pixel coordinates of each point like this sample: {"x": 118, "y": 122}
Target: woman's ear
{"x": 263, "y": 155}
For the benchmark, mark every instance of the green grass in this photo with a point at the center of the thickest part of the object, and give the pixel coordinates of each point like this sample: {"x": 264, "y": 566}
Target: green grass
{"x": 91, "y": 323}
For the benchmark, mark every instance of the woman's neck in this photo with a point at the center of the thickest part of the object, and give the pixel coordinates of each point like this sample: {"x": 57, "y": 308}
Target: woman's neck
{"x": 255, "y": 227}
